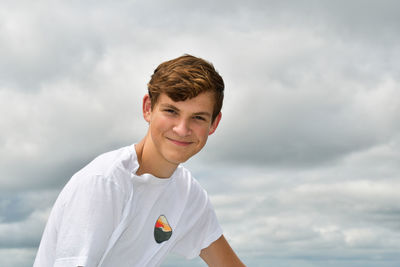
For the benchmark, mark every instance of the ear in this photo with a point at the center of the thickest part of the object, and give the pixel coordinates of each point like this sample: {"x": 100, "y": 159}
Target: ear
{"x": 147, "y": 108}
{"x": 215, "y": 123}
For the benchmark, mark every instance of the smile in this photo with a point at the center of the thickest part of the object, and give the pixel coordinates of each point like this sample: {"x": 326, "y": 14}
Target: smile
{"x": 179, "y": 143}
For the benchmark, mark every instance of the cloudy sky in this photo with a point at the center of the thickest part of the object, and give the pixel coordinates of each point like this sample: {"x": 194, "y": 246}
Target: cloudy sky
{"x": 304, "y": 169}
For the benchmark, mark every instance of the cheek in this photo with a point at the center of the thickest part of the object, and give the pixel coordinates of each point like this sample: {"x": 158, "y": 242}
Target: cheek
{"x": 202, "y": 132}
{"x": 159, "y": 124}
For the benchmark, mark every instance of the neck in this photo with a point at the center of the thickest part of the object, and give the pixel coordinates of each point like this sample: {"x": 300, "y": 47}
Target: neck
{"x": 150, "y": 160}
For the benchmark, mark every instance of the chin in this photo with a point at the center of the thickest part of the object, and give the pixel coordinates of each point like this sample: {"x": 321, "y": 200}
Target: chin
{"x": 178, "y": 158}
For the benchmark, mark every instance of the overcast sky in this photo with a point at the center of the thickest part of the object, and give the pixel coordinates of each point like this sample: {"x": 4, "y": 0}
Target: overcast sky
{"x": 304, "y": 169}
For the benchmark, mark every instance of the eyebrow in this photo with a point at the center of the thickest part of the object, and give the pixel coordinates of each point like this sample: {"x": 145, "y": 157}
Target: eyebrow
{"x": 169, "y": 106}
{"x": 202, "y": 113}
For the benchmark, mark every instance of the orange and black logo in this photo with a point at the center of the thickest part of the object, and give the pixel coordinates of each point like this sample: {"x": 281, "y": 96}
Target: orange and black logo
{"x": 162, "y": 230}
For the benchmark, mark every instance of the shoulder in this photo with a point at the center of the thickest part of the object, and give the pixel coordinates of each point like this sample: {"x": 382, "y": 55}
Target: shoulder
{"x": 111, "y": 165}
{"x": 108, "y": 162}
{"x": 185, "y": 178}
{"x": 109, "y": 171}
{"x": 188, "y": 184}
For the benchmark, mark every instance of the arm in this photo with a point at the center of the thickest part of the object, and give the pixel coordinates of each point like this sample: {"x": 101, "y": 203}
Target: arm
{"x": 220, "y": 254}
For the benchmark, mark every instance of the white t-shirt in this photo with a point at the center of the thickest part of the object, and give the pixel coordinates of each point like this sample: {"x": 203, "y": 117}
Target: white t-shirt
{"x": 108, "y": 216}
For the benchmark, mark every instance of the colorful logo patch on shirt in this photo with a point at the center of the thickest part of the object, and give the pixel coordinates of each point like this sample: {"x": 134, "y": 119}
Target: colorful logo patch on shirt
{"x": 162, "y": 230}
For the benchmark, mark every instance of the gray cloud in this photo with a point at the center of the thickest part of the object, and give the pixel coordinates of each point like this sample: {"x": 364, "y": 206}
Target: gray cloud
{"x": 305, "y": 163}
{"x": 23, "y": 217}
{"x": 323, "y": 103}
{"x": 13, "y": 209}
{"x": 302, "y": 214}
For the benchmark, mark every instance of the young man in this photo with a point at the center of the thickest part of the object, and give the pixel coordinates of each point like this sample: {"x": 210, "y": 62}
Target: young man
{"x": 132, "y": 206}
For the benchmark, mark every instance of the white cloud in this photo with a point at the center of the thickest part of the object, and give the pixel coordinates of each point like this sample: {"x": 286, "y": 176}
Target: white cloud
{"x": 20, "y": 257}
{"x": 346, "y": 208}
{"x": 305, "y": 164}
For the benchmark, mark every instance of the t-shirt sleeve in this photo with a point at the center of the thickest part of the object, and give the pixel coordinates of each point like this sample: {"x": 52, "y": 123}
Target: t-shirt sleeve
{"x": 200, "y": 229}
{"x": 90, "y": 210}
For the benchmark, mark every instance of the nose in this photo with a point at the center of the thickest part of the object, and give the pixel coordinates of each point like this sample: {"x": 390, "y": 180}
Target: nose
{"x": 182, "y": 128}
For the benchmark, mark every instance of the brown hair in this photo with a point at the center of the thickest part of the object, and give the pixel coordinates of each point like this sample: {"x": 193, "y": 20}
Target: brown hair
{"x": 184, "y": 78}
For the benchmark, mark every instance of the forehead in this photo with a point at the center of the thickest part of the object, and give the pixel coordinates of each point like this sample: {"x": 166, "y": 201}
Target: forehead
{"x": 203, "y": 102}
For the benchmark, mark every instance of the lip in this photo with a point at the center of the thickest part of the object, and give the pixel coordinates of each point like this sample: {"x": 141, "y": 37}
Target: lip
{"x": 179, "y": 143}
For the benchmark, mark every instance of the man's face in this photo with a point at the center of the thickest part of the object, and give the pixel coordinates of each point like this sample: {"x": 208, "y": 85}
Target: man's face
{"x": 180, "y": 129}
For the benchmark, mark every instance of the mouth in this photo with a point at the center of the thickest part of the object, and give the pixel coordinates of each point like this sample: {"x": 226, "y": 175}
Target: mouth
{"x": 179, "y": 143}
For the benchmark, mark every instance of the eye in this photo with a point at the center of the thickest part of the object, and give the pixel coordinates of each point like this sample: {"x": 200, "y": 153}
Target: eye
{"x": 199, "y": 118}
{"x": 171, "y": 111}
